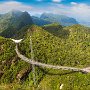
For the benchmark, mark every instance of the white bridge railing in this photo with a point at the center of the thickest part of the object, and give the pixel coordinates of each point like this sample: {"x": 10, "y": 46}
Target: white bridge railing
{"x": 48, "y": 65}
{"x": 84, "y": 70}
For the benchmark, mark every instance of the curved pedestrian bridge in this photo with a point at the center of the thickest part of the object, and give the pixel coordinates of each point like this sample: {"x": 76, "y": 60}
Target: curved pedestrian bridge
{"x": 84, "y": 70}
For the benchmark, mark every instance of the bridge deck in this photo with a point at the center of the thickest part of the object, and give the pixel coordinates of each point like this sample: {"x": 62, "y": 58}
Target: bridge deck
{"x": 48, "y": 65}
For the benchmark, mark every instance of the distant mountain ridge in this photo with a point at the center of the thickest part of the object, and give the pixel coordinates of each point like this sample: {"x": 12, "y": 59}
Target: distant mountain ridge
{"x": 40, "y": 22}
{"x": 13, "y": 21}
{"x": 49, "y": 18}
{"x": 63, "y": 20}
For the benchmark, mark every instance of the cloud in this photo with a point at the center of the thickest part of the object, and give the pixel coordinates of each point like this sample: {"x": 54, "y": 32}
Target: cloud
{"x": 79, "y": 11}
{"x": 57, "y": 1}
{"x": 73, "y": 3}
{"x": 8, "y": 6}
{"x": 14, "y": 5}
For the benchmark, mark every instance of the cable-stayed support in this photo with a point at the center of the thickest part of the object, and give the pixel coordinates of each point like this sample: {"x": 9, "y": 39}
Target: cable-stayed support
{"x": 32, "y": 58}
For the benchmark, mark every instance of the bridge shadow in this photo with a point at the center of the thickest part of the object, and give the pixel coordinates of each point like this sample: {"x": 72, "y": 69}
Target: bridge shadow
{"x": 59, "y": 73}
{"x": 52, "y": 73}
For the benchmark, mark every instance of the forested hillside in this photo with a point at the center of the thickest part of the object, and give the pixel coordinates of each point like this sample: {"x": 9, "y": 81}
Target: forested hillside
{"x": 52, "y": 44}
{"x": 13, "y": 21}
{"x": 63, "y": 46}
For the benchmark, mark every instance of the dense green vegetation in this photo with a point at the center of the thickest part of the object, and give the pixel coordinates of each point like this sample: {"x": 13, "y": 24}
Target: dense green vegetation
{"x": 58, "y": 45}
{"x": 13, "y": 21}
{"x": 52, "y": 44}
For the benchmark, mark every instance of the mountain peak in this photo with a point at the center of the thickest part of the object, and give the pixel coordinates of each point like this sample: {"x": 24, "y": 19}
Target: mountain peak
{"x": 14, "y": 21}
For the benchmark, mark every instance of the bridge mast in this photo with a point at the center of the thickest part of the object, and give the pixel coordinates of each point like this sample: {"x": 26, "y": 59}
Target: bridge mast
{"x": 32, "y": 58}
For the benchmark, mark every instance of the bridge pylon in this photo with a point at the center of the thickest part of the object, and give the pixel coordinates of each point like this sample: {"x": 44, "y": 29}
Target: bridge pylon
{"x": 32, "y": 58}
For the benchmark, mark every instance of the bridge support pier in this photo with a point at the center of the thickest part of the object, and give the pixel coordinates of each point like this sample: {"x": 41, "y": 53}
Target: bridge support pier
{"x": 33, "y": 66}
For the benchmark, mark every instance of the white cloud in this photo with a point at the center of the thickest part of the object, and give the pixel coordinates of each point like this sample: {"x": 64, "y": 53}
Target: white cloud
{"x": 8, "y": 6}
{"x": 14, "y": 5}
{"x": 73, "y": 3}
{"x": 57, "y": 1}
{"x": 79, "y": 11}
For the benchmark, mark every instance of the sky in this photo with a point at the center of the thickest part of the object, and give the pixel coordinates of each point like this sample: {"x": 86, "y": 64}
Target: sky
{"x": 78, "y": 9}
